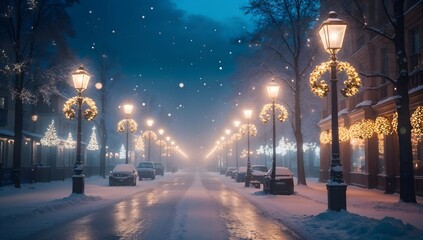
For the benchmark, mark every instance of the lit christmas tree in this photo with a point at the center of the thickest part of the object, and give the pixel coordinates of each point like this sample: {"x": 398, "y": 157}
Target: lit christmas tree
{"x": 70, "y": 143}
{"x": 139, "y": 145}
{"x": 122, "y": 152}
{"x": 93, "y": 144}
{"x": 50, "y": 138}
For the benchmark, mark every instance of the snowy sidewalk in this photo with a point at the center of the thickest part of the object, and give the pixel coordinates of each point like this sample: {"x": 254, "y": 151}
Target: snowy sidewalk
{"x": 370, "y": 214}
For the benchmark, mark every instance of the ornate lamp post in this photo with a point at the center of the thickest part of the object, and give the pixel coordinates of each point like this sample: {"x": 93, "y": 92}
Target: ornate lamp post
{"x": 127, "y": 109}
{"x": 248, "y": 114}
{"x": 227, "y": 132}
{"x": 236, "y": 124}
{"x": 80, "y": 81}
{"x": 332, "y": 34}
{"x": 273, "y": 91}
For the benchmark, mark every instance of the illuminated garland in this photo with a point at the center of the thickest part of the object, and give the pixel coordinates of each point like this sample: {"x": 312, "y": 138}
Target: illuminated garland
{"x": 395, "y": 122}
{"x": 149, "y": 135}
{"x": 244, "y": 129}
{"x": 89, "y": 113}
{"x": 265, "y": 116}
{"x": 417, "y": 122}
{"x": 321, "y": 89}
{"x": 344, "y": 134}
{"x": 325, "y": 137}
{"x": 133, "y": 126}
{"x": 363, "y": 129}
{"x": 236, "y": 137}
{"x": 139, "y": 144}
{"x": 383, "y": 126}
{"x": 161, "y": 143}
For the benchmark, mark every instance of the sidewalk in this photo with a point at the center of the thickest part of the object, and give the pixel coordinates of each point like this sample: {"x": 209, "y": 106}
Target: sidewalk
{"x": 306, "y": 210}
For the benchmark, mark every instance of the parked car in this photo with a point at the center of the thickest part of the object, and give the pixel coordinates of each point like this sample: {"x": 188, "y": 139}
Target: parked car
{"x": 284, "y": 181}
{"x": 158, "y": 168}
{"x": 146, "y": 170}
{"x": 123, "y": 174}
{"x": 257, "y": 174}
{"x": 229, "y": 171}
{"x": 240, "y": 174}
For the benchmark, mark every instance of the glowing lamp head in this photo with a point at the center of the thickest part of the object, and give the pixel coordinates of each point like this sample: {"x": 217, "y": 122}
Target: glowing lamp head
{"x": 80, "y": 79}
{"x": 161, "y": 131}
{"x": 150, "y": 122}
{"x": 332, "y": 33}
{"x": 237, "y": 123}
{"x": 127, "y": 108}
{"x": 228, "y": 131}
{"x": 34, "y": 117}
{"x": 248, "y": 113}
{"x": 273, "y": 90}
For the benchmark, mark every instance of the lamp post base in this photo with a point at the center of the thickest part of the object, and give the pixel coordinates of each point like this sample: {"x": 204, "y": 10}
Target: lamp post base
{"x": 337, "y": 199}
{"x": 78, "y": 184}
{"x": 272, "y": 187}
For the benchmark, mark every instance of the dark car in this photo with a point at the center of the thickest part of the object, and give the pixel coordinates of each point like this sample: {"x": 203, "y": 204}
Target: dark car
{"x": 123, "y": 174}
{"x": 240, "y": 174}
{"x": 257, "y": 174}
{"x": 158, "y": 168}
{"x": 146, "y": 170}
{"x": 284, "y": 181}
{"x": 230, "y": 171}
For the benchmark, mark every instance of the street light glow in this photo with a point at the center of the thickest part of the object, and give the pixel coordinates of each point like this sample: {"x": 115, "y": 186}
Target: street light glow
{"x": 80, "y": 79}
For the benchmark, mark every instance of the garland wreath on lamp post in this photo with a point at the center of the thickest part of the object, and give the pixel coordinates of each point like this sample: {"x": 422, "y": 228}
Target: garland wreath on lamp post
{"x": 90, "y": 113}
{"x": 320, "y": 87}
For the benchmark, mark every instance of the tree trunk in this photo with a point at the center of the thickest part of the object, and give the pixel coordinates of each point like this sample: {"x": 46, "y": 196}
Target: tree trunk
{"x": 299, "y": 137}
{"x": 407, "y": 190}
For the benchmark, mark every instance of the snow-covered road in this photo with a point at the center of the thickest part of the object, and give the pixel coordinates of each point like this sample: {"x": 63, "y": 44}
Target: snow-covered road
{"x": 194, "y": 205}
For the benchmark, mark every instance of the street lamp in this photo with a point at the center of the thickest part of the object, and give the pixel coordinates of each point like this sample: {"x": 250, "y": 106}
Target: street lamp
{"x": 80, "y": 81}
{"x": 127, "y": 109}
{"x": 273, "y": 91}
{"x": 150, "y": 123}
{"x": 236, "y": 124}
{"x": 161, "y": 131}
{"x": 227, "y": 132}
{"x": 332, "y": 34}
{"x": 248, "y": 114}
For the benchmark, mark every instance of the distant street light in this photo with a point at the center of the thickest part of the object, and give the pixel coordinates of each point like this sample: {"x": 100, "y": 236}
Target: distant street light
{"x": 332, "y": 34}
{"x": 150, "y": 123}
{"x": 127, "y": 108}
{"x": 248, "y": 114}
{"x": 227, "y": 132}
{"x": 236, "y": 124}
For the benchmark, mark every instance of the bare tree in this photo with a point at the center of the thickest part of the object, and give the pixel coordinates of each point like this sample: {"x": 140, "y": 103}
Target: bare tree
{"x": 29, "y": 32}
{"x": 284, "y": 28}
{"x": 392, "y": 28}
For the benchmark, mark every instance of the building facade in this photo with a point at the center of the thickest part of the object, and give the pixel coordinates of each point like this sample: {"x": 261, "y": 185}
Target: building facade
{"x": 372, "y": 160}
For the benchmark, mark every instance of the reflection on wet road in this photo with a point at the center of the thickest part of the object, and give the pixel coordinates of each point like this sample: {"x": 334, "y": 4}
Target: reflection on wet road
{"x": 184, "y": 206}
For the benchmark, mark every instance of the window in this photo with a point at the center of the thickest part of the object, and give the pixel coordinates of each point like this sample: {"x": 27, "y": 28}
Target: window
{"x": 381, "y": 153}
{"x": 358, "y": 159}
{"x": 2, "y": 102}
{"x": 414, "y": 39}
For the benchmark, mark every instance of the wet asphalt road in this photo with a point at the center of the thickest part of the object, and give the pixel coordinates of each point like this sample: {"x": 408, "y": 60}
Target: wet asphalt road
{"x": 186, "y": 206}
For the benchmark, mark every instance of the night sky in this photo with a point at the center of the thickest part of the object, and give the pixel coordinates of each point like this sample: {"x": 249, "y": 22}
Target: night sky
{"x": 176, "y": 61}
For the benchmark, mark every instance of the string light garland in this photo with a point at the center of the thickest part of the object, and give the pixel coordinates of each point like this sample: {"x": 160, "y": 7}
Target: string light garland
{"x": 244, "y": 129}
{"x": 325, "y": 137}
{"x": 139, "y": 144}
{"x": 161, "y": 143}
{"x": 383, "y": 126}
{"x": 90, "y": 113}
{"x": 321, "y": 89}
{"x": 416, "y": 121}
{"x": 133, "y": 126}
{"x": 344, "y": 134}
{"x": 395, "y": 122}
{"x": 236, "y": 137}
{"x": 265, "y": 116}
{"x": 363, "y": 129}
{"x": 149, "y": 134}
